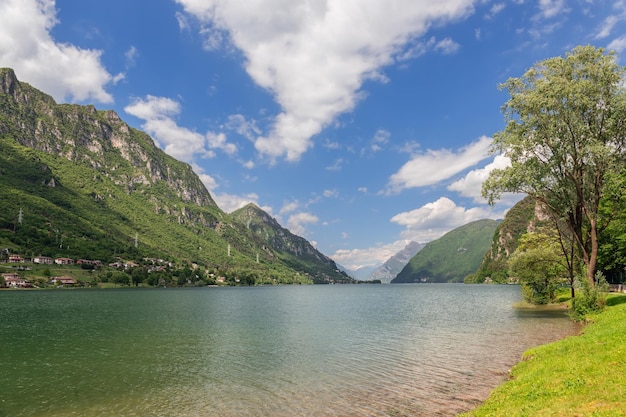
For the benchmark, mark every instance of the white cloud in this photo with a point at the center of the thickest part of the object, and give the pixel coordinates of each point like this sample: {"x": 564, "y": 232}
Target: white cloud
{"x": 244, "y": 127}
{"x": 331, "y": 145}
{"x": 433, "y": 220}
{"x": 471, "y": 184}
{"x": 289, "y": 207}
{"x": 232, "y": 202}
{"x": 331, "y": 193}
{"x": 373, "y": 256}
{"x": 551, "y": 8}
{"x": 297, "y": 222}
{"x": 381, "y": 138}
{"x": 218, "y": 141}
{"x": 60, "y": 69}
{"x": 209, "y": 182}
{"x": 336, "y": 166}
{"x": 434, "y": 166}
{"x": 618, "y": 44}
{"x": 447, "y": 46}
{"x": 131, "y": 56}
{"x": 183, "y": 23}
{"x": 607, "y": 26}
{"x": 315, "y": 56}
{"x": 495, "y": 10}
{"x": 159, "y": 115}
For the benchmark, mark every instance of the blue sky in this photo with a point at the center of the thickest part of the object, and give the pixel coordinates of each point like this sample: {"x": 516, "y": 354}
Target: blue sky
{"x": 358, "y": 124}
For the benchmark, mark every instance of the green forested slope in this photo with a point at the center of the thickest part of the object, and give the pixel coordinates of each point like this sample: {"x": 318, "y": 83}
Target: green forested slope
{"x": 452, "y": 257}
{"x": 78, "y": 182}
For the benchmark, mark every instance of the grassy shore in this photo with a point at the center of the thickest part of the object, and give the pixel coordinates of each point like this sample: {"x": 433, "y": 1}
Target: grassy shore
{"x": 582, "y": 375}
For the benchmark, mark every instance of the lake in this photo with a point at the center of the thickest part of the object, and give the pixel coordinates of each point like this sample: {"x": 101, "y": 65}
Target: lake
{"x": 333, "y": 350}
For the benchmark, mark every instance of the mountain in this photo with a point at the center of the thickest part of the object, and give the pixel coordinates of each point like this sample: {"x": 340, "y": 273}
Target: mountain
{"x": 291, "y": 249}
{"x": 452, "y": 257}
{"x": 392, "y": 267}
{"x": 79, "y": 182}
{"x": 525, "y": 216}
{"x": 362, "y": 273}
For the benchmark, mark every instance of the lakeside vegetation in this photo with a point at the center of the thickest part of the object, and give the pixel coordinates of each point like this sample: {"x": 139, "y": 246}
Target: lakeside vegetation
{"x": 582, "y": 375}
{"x": 143, "y": 273}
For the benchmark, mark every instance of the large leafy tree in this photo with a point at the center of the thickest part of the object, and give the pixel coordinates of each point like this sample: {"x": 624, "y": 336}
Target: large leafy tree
{"x": 538, "y": 266}
{"x": 565, "y": 136}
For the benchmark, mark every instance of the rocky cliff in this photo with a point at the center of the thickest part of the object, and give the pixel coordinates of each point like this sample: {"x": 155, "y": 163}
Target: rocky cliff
{"x": 525, "y": 216}
{"x": 99, "y": 139}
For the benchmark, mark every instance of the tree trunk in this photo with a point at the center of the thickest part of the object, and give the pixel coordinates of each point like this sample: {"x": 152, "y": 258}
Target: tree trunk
{"x": 592, "y": 261}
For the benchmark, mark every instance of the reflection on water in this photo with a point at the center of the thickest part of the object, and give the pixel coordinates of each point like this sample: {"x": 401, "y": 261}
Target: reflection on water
{"x": 385, "y": 350}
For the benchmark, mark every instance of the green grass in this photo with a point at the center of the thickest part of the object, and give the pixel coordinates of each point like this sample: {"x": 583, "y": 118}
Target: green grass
{"x": 582, "y": 375}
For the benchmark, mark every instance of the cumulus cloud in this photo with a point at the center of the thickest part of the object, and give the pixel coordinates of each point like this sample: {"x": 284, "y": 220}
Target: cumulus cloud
{"x": 232, "y": 202}
{"x": 471, "y": 184}
{"x": 296, "y": 223}
{"x": 63, "y": 70}
{"x": 373, "y": 256}
{"x": 315, "y": 56}
{"x": 433, "y": 220}
{"x": 434, "y": 166}
{"x": 159, "y": 115}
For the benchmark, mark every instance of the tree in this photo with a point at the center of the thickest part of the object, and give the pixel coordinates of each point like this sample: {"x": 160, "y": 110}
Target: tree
{"x": 138, "y": 274}
{"x": 538, "y": 266}
{"x": 565, "y": 136}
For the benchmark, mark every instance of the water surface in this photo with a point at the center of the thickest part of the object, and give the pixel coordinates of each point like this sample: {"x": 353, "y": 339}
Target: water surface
{"x": 366, "y": 350}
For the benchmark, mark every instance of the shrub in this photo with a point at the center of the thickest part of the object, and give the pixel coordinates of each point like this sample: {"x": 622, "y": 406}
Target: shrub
{"x": 589, "y": 298}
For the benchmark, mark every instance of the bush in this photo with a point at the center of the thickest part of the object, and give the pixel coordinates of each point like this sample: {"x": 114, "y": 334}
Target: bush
{"x": 589, "y": 298}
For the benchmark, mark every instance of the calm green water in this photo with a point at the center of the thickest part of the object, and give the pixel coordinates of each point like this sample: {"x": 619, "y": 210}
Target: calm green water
{"x": 384, "y": 350}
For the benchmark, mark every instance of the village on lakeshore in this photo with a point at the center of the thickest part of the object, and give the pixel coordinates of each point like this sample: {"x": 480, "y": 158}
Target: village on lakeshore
{"x": 16, "y": 272}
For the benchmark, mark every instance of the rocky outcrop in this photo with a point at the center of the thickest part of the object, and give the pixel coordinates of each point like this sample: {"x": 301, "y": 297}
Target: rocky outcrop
{"x": 99, "y": 139}
{"x": 525, "y": 216}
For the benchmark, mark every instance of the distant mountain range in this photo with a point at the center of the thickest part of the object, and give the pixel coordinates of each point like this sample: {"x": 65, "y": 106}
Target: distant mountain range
{"x": 392, "y": 267}
{"x": 452, "y": 257}
{"x": 80, "y": 182}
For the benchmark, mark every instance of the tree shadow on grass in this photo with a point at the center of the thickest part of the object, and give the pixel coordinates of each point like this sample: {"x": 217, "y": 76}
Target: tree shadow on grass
{"x": 616, "y": 299}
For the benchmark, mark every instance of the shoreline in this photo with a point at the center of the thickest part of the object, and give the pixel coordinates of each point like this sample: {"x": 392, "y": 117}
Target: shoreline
{"x": 579, "y": 375}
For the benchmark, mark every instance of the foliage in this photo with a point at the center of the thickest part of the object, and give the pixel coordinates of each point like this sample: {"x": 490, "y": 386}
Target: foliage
{"x": 589, "y": 299}
{"x": 452, "y": 257}
{"x": 612, "y": 240}
{"x": 565, "y": 136}
{"x": 518, "y": 220}
{"x": 538, "y": 266}
{"x": 582, "y": 375}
